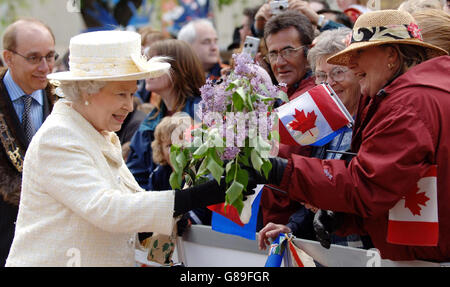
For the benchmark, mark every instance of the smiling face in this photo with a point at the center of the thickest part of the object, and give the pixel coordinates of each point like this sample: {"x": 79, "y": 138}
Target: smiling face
{"x": 292, "y": 69}
{"x": 347, "y": 89}
{"x": 372, "y": 67}
{"x": 108, "y": 108}
{"x": 31, "y": 40}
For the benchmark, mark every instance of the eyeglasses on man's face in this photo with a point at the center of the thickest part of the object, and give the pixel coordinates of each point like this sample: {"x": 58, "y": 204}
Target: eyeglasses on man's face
{"x": 36, "y": 59}
{"x": 337, "y": 74}
{"x": 286, "y": 53}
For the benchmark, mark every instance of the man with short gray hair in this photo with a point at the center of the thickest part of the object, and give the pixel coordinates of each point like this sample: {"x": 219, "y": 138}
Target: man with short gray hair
{"x": 202, "y": 36}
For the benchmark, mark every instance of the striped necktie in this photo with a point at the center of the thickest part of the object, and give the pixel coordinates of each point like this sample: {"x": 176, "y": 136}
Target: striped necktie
{"x": 27, "y": 124}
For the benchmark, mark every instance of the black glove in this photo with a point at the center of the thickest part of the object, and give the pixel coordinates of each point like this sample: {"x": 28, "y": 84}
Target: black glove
{"x": 275, "y": 174}
{"x": 201, "y": 195}
{"x": 205, "y": 194}
{"x": 325, "y": 223}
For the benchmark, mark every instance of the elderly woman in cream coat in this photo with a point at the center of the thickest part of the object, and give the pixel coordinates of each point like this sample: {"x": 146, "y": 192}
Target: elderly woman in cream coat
{"x": 80, "y": 205}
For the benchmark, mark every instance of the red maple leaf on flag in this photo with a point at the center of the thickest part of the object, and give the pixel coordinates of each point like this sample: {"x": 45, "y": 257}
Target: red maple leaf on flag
{"x": 303, "y": 123}
{"x": 414, "y": 199}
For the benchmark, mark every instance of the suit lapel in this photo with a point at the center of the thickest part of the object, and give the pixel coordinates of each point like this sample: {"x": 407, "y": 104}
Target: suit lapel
{"x": 12, "y": 120}
{"x": 49, "y": 100}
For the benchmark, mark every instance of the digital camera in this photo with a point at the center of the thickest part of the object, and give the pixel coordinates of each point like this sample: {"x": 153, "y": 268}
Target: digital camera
{"x": 278, "y": 7}
{"x": 251, "y": 46}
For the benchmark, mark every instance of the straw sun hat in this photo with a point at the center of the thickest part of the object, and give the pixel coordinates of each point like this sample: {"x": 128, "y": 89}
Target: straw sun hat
{"x": 109, "y": 56}
{"x": 383, "y": 27}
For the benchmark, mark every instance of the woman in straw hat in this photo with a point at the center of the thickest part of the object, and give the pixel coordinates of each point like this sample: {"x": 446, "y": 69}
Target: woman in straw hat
{"x": 80, "y": 205}
{"x": 396, "y": 187}
{"x": 347, "y": 88}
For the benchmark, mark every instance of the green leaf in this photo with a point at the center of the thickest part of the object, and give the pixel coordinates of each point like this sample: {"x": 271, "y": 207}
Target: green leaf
{"x": 265, "y": 90}
{"x": 263, "y": 98}
{"x": 239, "y": 204}
{"x": 256, "y": 160}
{"x": 228, "y": 166}
{"x": 231, "y": 172}
{"x": 266, "y": 168}
{"x": 203, "y": 167}
{"x": 173, "y": 159}
{"x": 213, "y": 154}
{"x": 249, "y": 102}
{"x": 155, "y": 244}
{"x": 242, "y": 177}
{"x": 233, "y": 85}
{"x": 181, "y": 160}
{"x": 234, "y": 191}
{"x": 201, "y": 151}
{"x": 283, "y": 96}
{"x": 244, "y": 160}
{"x": 238, "y": 102}
{"x": 175, "y": 180}
{"x": 215, "y": 169}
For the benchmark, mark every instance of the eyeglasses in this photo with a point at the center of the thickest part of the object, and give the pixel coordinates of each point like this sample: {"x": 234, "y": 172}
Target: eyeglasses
{"x": 35, "y": 60}
{"x": 285, "y": 53}
{"x": 337, "y": 75}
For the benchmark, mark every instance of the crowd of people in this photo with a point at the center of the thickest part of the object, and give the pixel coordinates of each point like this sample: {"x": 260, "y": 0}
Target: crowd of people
{"x": 85, "y": 163}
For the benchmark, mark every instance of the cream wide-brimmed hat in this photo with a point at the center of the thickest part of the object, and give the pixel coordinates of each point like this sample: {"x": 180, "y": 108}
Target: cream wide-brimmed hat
{"x": 109, "y": 56}
{"x": 383, "y": 27}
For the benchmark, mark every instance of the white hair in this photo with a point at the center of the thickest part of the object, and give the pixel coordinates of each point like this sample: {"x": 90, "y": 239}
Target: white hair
{"x": 72, "y": 90}
{"x": 328, "y": 43}
{"x": 188, "y": 32}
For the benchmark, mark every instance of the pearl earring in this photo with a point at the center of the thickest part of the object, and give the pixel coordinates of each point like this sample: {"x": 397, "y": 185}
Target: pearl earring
{"x": 86, "y": 103}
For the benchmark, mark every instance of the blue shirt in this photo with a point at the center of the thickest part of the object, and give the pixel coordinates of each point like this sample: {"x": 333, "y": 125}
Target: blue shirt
{"x": 37, "y": 104}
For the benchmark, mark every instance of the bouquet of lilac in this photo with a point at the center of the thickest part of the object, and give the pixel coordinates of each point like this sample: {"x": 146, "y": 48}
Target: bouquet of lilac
{"x": 236, "y": 130}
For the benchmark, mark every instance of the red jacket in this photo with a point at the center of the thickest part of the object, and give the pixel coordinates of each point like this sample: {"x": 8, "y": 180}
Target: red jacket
{"x": 277, "y": 207}
{"x": 404, "y": 133}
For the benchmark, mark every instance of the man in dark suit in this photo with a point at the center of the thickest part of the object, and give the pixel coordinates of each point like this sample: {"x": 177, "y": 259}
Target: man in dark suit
{"x": 26, "y": 99}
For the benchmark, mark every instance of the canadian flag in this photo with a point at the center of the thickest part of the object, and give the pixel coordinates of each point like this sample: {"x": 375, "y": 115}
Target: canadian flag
{"x": 312, "y": 118}
{"x": 414, "y": 219}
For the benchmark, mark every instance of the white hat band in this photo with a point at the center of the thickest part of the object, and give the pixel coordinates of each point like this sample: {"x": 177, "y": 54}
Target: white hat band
{"x": 94, "y": 66}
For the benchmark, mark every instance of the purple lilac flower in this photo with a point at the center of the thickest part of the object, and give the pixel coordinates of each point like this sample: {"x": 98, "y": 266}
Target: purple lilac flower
{"x": 230, "y": 153}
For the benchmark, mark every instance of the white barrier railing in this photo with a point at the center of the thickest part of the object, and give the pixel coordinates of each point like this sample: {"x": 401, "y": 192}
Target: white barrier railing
{"x": 200, "y": 246}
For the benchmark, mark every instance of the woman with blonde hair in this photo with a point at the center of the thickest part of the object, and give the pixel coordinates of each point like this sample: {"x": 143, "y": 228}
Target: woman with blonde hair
{"x": 412, "y": 6}
{"x": 435, "y": 27}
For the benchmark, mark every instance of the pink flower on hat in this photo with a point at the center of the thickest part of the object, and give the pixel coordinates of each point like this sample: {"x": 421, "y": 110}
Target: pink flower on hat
{"x": 415, "y": 31}
{"x": 348, "y": 39}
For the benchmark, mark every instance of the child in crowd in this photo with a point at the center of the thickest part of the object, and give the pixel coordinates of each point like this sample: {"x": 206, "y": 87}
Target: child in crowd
{"x": 172, "y": 128}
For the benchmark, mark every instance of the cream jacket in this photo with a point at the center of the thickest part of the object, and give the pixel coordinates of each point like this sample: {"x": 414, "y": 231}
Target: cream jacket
{"x": 80, "y": 205}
